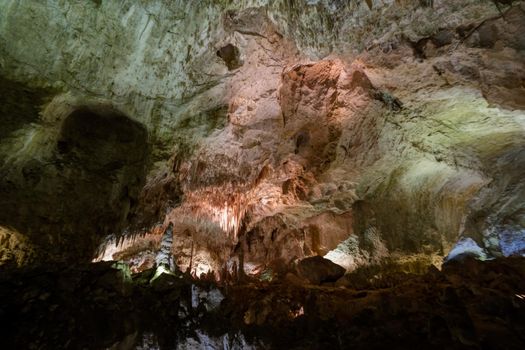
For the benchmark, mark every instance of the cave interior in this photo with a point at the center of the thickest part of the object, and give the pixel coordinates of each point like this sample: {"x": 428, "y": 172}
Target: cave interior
{"x": 311, "y": 174}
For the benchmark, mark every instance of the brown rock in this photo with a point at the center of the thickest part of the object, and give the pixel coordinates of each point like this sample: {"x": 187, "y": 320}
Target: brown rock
{"x": 317, "y": 269}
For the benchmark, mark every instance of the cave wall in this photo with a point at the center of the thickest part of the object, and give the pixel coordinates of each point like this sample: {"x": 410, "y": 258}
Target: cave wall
{"x": 278, "y": 129}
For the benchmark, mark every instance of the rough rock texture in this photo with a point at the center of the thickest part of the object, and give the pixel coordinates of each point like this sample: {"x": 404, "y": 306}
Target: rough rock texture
{"x": 264, "y": 131}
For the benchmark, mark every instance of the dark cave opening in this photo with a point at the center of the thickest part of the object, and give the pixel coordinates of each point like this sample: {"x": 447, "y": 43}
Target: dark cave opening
{"x": 231, "y": 56}
{"x": 85, "y": 189}
{"x": 103, "y": 141}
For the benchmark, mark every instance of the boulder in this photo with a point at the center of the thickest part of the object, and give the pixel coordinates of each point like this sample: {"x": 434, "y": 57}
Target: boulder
{"x": 317, "y": 270}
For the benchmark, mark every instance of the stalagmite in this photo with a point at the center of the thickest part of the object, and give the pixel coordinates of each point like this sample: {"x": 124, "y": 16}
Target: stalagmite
{"x": 164, "y": 255}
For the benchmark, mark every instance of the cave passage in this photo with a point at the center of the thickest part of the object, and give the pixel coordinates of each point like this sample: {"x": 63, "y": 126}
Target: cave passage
{"x": 86, "y": 188}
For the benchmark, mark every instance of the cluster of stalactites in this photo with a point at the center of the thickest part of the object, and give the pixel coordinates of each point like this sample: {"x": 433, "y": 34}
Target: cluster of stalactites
{"x": 115, "y": 243}
{"x": 227, "y": 210}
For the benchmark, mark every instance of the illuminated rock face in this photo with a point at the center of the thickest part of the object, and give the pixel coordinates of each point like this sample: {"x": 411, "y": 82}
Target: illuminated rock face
{"x": 264, "y": 132}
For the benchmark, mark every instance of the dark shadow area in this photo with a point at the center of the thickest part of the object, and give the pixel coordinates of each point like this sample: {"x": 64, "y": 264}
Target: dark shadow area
{"x": 231, "y": 56}
{"x": 19, "y": 105}
{"x": 86, "y": 189}
{"x": 467, "y": 305}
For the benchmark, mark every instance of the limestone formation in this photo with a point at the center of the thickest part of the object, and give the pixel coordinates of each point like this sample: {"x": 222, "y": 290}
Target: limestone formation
{"x": 259, "y": 139}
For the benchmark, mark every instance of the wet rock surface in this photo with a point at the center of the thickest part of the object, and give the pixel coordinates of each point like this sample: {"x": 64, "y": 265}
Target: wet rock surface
{"x": 470, "y": 304}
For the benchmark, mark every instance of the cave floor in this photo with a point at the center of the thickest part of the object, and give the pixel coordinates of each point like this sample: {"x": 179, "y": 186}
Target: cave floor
{"x": 469, "y": 304}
